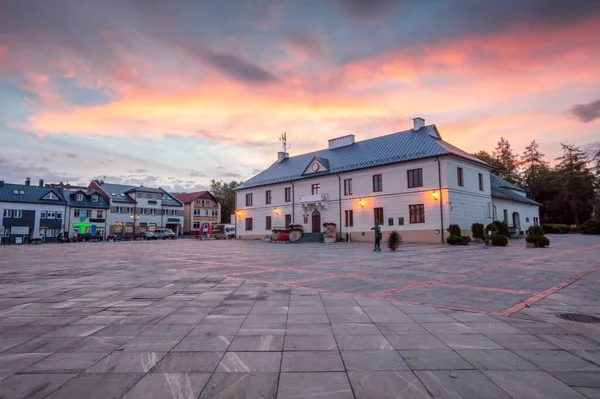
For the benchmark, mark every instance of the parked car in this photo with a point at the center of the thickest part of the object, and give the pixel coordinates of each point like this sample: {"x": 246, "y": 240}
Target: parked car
{"x": 146, "y": 235}
{"x": 164, "y": 234}
{"x": 89, "y": 237}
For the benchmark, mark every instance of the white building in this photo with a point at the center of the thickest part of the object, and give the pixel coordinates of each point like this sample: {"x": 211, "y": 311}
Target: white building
{"x": 412, "y": 182}
{"x": 138, "y": 209}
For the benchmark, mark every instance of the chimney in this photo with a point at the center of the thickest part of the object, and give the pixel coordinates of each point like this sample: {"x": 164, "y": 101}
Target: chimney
{"x": 418, "y": 123}
{"x": 28, "y": 181}
{"x": 41, "y": 183}
{"x": 281, "y": 156}
{"x": 341, "y": 141}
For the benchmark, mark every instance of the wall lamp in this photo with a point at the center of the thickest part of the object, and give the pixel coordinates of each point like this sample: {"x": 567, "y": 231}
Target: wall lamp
{"x": 436, "y": 195}
{"x": 238, "y": 213}
{"x": 361, "y": 202}
{"x": 276, "y": 211}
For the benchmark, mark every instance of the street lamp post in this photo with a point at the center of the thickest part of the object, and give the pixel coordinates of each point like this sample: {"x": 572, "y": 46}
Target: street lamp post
{"x": 134, "y": 218}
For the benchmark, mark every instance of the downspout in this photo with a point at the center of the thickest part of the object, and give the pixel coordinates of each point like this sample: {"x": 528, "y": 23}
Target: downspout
{"x": 340, "y": 201}
{"x": 293, "y": 204}
{"x": 441, "y": 198}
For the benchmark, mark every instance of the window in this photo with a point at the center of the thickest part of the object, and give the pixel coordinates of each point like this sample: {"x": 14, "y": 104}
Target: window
{"x": 415, "y": 178}
{"x": 50, "y": 215}
{"x": 51, "y": 196}
{"x": 535, "y": 221}
{"x": 196, "y": 226}
{"x": 505, "y": 215}
{"x": 268, "y": 223}
{"x": 315, "y": 189}
{"x": 417, "y": 213}
{"x": 215, "y": 213}
{"x": 79, "y": 197}
{"x": 288, "y": 194}
{"x": 400, "y": 221}
{"x": 59, "y": 215}
{"x": 94, "y": 198}
{"x": 481, "y": 181}
{"x": 198, "y": 202}
{"x": 348, "y": 218}
{"x": 459, "y": 177}
{"x": 153, "y": 211}
{"x": 77, "y": 212}
{"x": 143, "y": 195}
{"x": 206, "y": 212}
{"x": 527, "y": 220}
{"x": 288, "y": 220}
{"x": 17, "y": 213}
{"x": 197, "y": 211}
{"x": 165, "y": 212}
{"x": 248, "y": 199}
{"x": 390, "y": 221}
{"x": 378, "y": 215}
{"x": 143, "y": 211}
{"x": 174, "y": 212}
{"x": 113, "y": 194}
{"x": 348, "y": 187}
{"x": 119, "y": 209}
{"x": 377, "y": 183}
{"x": 248, "y": 224}
{"x": 268, "y": 198}
{"x": 99, "y": 214}
{"x": 8, "y": 213}
{"x": 42, "y": 215}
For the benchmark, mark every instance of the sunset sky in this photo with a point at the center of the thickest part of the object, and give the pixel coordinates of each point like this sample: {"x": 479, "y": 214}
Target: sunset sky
{"x": 176, "y": 93}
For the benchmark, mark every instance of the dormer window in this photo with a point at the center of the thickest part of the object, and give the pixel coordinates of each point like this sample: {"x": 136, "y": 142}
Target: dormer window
{"x": 94, "y": 198}
{"x": 113, "y": 194}
{"x": 79, "y": 197}
{"x": 51, "y": 196}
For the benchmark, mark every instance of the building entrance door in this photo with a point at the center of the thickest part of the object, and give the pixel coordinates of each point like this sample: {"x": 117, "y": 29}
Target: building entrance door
{"x": 316, "y": 221}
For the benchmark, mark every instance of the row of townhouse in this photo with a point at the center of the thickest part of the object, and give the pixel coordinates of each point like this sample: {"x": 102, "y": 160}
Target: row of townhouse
{"x": 46, "y": 211}
{"x": 411, "y": 181}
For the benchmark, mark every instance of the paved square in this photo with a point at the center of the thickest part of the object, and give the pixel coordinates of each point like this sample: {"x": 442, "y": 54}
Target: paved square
{"x": 237, "y": 319}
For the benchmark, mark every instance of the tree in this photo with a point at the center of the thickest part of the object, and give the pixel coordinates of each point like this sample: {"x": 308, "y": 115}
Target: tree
{"x": 535, "y": 168}
{"x": 507, "y": 161}
{"x": 223, "y": 191}
{"x": 488, "y": 158}
{"x": 575, "y": 182}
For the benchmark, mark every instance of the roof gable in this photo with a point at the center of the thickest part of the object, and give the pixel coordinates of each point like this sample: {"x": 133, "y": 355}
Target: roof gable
{"x": 187, "y": 198}
{"x": 30, "y": 194}
{"x": 316, "y": 165}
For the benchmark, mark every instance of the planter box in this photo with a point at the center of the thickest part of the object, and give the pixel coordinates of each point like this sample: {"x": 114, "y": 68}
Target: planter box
{"x": 295, "y": 235}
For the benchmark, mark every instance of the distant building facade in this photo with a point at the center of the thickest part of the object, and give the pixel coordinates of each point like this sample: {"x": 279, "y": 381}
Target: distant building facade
{"x": 88, "y": 211}
{"x": 200, "y": 210}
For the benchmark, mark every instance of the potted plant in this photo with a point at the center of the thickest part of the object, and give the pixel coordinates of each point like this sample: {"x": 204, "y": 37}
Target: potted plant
{"x": 329, "y": 235}
{"x": 496, "y": 234}
{"x": 393, "y": 241}
{"x": 477, "y": 232}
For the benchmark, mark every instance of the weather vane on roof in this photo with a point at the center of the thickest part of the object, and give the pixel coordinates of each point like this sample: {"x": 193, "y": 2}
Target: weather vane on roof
{"x": 284, "y": 145}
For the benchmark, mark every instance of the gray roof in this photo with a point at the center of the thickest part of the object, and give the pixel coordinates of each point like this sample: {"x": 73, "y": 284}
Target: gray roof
{"x": 71, "y": 197}
{"x": 404, "y": 146}
{"x": 121, "y": 190}
{"x": 503, "y": 189}
{"x": 31, "y": 194}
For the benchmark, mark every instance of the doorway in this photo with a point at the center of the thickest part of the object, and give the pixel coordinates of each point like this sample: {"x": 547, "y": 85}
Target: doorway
{"x": 316, "y": 221}
{"x": 517, "y": 222}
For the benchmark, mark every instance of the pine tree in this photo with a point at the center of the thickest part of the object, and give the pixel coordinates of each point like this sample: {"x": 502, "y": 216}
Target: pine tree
{"x": 535, "y": 169}
{"x": 507, "y": 161}
{"x": 575, "y": 181}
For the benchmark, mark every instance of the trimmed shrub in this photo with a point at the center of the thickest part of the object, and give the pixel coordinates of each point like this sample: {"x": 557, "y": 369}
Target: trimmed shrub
{"x": 393, "y": 240}
{"x": 553, "y": 228}
{"x": 498, "y": 240}
{"x": 539, "y": 241}
{"x": 454, "y": 240}
{"x": 477, "y": 230}
{"x": 454, "y": 230}
{"x": 536, "y": 231}
{"x": 592, "y": 226}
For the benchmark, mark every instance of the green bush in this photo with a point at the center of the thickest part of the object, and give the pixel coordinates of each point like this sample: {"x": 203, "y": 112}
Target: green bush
{"x": 535, "y": 231}
{"x": 553, "y": 228}
{"x": 454, "y": 230}
{"x": 497, "y": 228}
{"x": 466, "y": 240}
{"x": 454, "y": 240}
{"x": 539, "y": 241}
{"x": 393, "y": 240}
{"x": 592, "y": 226}
{"x": 477, "y": 230}
{"x": 498, "y": 240}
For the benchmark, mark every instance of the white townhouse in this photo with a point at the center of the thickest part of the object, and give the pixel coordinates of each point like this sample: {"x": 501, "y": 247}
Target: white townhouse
{"x": 412, "y": 182}
{"x": 138, "y": 209}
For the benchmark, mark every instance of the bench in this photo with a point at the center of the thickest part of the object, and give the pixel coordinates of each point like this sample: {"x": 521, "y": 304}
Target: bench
{"x": 35, "y": 241}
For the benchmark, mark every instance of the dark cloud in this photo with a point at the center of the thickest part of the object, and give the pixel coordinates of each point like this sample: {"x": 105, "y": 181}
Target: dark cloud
{"x": 587, "y": 113}
{"x": 238, "y": 68}
{"x": 367, "y": 10}
{"x": 196, "y": 173}
{"x": 304, "y": 41}
{"x": 231, "y": 174}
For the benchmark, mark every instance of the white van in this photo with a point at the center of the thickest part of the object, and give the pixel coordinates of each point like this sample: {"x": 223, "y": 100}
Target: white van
{"x": 226, "y": 231}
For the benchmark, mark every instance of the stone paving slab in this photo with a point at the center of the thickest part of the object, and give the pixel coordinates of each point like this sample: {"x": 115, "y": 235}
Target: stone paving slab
{"x": 177, "y": 320}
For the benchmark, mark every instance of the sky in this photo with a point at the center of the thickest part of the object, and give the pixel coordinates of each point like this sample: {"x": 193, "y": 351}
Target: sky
{"x": 176, "y": 93}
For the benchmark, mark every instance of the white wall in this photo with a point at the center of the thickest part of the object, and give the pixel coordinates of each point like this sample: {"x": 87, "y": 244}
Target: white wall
{"x": 525, "y": 211}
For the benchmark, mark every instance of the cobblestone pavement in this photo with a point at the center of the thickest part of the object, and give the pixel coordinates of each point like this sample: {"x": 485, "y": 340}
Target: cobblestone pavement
{"x": 232, "y": 319}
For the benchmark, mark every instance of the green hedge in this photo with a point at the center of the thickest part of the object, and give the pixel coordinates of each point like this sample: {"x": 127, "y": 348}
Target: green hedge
{"x": 477, "y": 230}
{"x": 554, "y": 228}
{"x": 590, "y": 227}
{"x": 454, "y": 230}
{"x": 458, "y": 240}
{"x": 498, "y": 240}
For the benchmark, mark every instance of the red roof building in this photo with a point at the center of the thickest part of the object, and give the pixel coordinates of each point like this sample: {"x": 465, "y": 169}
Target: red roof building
{"x": 201, "y": 211}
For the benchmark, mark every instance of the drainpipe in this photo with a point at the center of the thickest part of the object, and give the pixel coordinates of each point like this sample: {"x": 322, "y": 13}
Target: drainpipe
{"x": 340, "y": 201}
{"x": 293, "y": 203}
{"x": 441, "y": 198}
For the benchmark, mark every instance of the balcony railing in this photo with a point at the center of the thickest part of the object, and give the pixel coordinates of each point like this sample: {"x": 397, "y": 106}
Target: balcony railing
{"x": 318, "y": 200}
